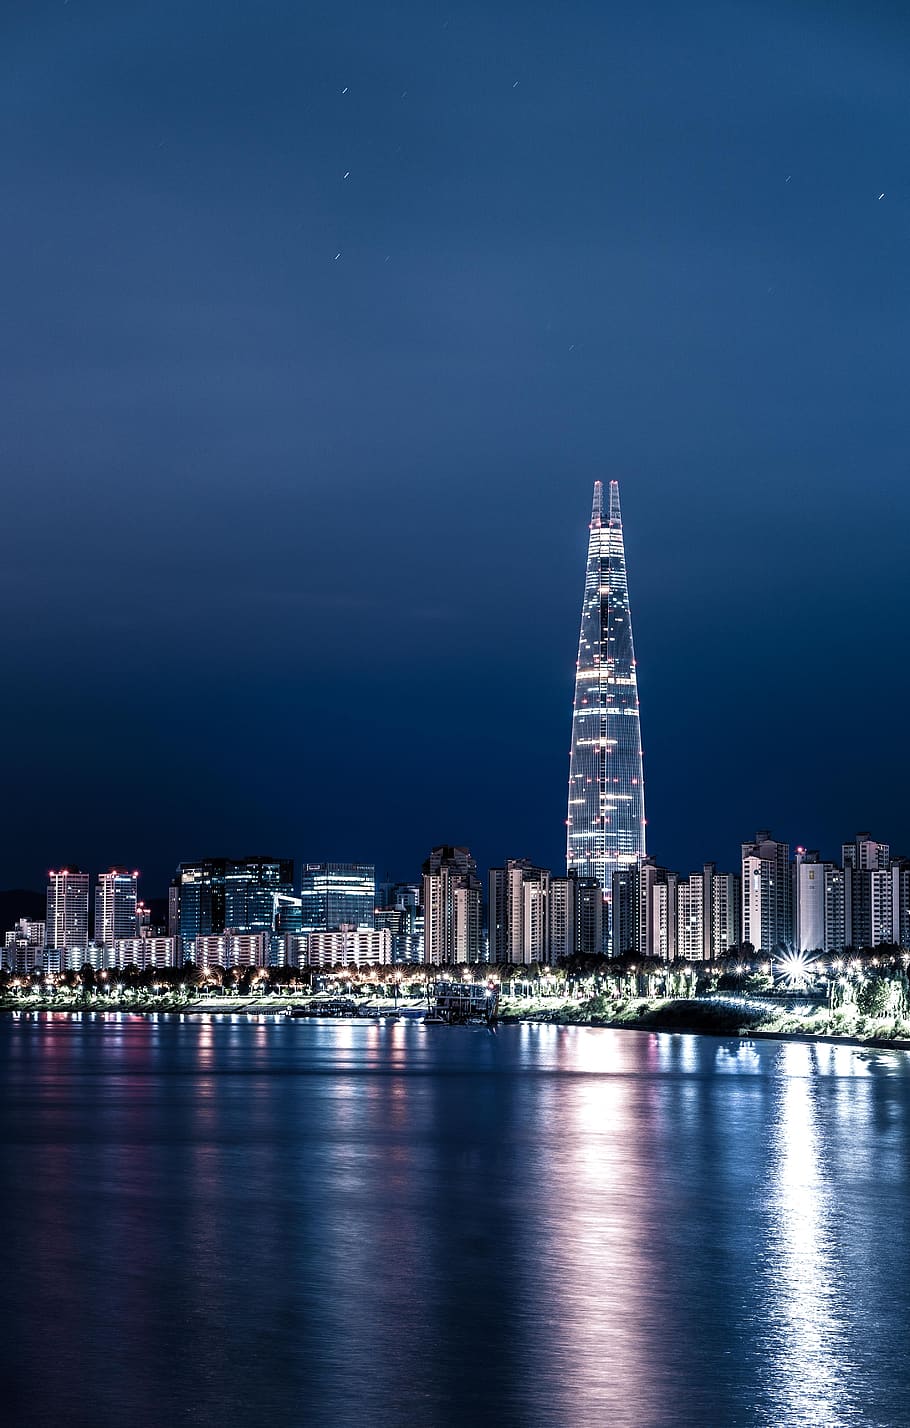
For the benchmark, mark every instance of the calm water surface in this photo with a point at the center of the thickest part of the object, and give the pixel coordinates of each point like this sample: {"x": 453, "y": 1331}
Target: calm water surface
{"x": 231, "y": 1221}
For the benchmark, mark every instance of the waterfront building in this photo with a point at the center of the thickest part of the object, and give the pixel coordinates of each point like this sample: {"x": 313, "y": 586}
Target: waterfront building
{"x": 900, "y": 892}
{"x": 344, "y": 946}
{"x": 143, "y": 952}
{"x": 882, "y": 908}
{"x": 562, "y": 917}
{"x": 116, "y": 898}
{"x": 216, "y": 895}
{"x": 693, "y": 917}
{"x": 252, "y": 889}
{"x": 66, "y": 923}
{"x": 656, "y": 927}
{"x": 23, "y": 948}
{"x": 726, "y": 907}
{"x": 232, "y": 949}
{"x": 337, "y": 895}
{"x": 519, "y": 913}
{"x": 624, "y": 911}
{"x": 767, "y": 894}
{"x": 662, "y": 932}
{"x": 403, "y": 917}
{"x": 452, "y": 906}
{"x": 868, "y": 916}
{"x": 708, "y": 909}
{"x": 590, "y": 917}
{"x": 819, "y": 920}
{"x": 606, "y": 810}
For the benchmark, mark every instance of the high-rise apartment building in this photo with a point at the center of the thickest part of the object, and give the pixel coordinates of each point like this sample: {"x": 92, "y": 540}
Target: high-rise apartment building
{"x": 23, "y": 947}
{"x": 606, "y": 810}
{"x": 693, "y": 914}
{"x": 452, "y": 907}
{"x": 562, "y": 917}
{"x": 818, "y": 904}
{"x": 767, "y": 917}
{"x": 116, "y": 896}
{"x": 656, "y": 913}
{"x": 337, "y": 895}
{"x": 519, "y": 921}
{"x": 66, "y": 923}
{"x": 868, "y": 921}
{"x": 900, "y": 908}
{"x": 591, "y": 911}
{"x": 726, "y": 909}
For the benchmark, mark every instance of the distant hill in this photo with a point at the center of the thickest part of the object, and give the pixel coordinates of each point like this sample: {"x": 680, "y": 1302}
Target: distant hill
{"x": 20, "y": 902}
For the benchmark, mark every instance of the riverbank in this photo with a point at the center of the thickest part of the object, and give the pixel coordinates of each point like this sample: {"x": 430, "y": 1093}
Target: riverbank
{"x": 720, "y": 1017}
{"x": 731, "y": 1017}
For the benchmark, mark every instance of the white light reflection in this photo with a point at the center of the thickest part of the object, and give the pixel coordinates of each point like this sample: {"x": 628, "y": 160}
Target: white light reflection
{"x": 804, "y": 1350}
{"x": 593, "y": 1276}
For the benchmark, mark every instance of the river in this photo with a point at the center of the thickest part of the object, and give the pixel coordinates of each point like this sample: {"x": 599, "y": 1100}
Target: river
{"x": 233, "y": 1221}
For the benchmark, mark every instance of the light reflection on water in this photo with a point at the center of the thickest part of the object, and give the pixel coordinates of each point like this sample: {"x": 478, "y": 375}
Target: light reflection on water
{"x": 806, "y": 1357}
{"x": 344, "y": 1223}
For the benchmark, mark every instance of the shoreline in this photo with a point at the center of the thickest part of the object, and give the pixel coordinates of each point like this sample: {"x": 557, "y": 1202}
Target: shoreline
{"x": 677, "y": 1017}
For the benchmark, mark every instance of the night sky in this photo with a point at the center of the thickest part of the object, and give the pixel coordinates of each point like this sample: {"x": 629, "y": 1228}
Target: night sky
{"x": 319, "y": 320}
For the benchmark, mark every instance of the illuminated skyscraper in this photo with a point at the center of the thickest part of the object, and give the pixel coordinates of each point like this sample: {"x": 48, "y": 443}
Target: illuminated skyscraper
{"x": 337, "y": 895}
{"x": 218, "y": 895}
{"x": 606, "y": 816}
{"x": 66, "y": 930}
{"x": 115, "y": 906}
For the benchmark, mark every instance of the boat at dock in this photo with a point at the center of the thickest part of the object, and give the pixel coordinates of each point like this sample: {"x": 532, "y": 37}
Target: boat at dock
{"x": 458, "y": 1003}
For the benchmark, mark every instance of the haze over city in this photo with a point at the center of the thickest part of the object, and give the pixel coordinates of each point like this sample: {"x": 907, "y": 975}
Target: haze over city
{"x": 325, "y": 319}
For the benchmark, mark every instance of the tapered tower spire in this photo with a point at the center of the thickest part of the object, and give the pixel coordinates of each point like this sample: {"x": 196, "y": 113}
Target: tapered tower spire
{"x": 606, "y": 814}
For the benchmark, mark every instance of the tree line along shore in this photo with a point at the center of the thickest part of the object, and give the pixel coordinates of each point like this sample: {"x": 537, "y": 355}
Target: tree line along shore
{"x": 860, "y": 996}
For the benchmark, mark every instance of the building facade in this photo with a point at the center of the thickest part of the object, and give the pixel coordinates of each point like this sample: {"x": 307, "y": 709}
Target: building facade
{"x": 518, "y": 912}
{"x": 232, "y": 949}
{"x": 767, "y": 894}
{"x": 452, "y": 907}
{"x": 342, "y": 946}
{"x": 217, "y": 895}
{"x": 66, "y": 923}
{"x": 867, "y": 866}
{"x": 143, "y": 952}
{"x": 819, "y": 908}
{"x": 563, "y": 917}
{"x": 658, "y": 914}
{"x": 605, "y": 820}
{"x": 116, "y": 899}
{"x": 23, "y": 948}
{"x": 336, "y": 895}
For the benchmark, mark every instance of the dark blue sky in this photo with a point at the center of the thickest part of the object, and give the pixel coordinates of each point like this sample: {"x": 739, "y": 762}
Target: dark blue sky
{"x": 297, "y": 466}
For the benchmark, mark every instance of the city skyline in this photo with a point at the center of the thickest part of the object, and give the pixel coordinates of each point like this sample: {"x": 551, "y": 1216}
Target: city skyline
{"x": 605, "y": 561}
{"x": 235, "y": 463}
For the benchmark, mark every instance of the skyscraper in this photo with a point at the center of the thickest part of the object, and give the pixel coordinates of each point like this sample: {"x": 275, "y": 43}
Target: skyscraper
{"x": 519, "y": 912}
{"x": 606, "y": 814}
{"x": 767, "y": 890}
{"x": 115, "y": 906}
{"x": 334, "y": 895}
{"x": 453, "y": 907}
{"x": 66, "y": 932}
{"x": 217, "y": 895}
{"x": 868, "y": 917}
{"x": 819, "y": 923}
